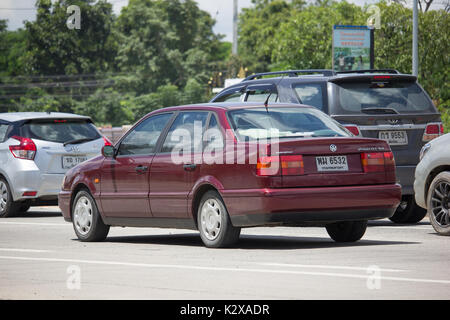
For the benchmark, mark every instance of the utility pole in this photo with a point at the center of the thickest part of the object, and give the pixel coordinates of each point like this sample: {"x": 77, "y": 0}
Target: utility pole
{"x": 235, "y": 27}
{"x": 415, "y": 49}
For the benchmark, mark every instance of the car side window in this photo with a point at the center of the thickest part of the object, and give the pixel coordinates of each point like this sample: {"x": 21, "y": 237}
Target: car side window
{"x": 235, "y": 95}
{"x": 143, "y": 139}
{"x": 3, "y": 130}
{"x": 310, "y": 94}
{"x": 260, "y": 94}
{"x": 182, "y": 131}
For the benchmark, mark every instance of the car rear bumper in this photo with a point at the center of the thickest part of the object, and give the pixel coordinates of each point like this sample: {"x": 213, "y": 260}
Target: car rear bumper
{"x": 46, "y": 186}
{"x": 311, "y": 205}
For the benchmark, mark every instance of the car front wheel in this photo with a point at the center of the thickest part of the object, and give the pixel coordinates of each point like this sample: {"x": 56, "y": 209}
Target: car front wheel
{"x": 347, "y": 231}
{"x": 87, "y": 222}
{"x": 439, "y": 203}
{"x": 214, "y": 224}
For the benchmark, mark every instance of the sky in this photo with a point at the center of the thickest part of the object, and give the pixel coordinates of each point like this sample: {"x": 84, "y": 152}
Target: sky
{"x": 16, "y": 11}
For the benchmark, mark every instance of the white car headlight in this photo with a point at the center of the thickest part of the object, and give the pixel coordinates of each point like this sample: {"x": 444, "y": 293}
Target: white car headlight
{"x": 424, "y": 150}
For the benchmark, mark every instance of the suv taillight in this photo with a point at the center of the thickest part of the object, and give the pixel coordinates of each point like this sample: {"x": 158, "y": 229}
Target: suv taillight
{"x": 433, "y": 131}
{"x": 291, "y": 165}
{"x": 25, "y": 150}
{"x": 377, "y": 161}
{"x": 353, "y": 129}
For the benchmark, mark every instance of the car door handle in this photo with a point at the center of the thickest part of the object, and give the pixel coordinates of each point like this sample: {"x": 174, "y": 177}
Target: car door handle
{"x": 190, "y": 167}
{"x": 141, "y": 169}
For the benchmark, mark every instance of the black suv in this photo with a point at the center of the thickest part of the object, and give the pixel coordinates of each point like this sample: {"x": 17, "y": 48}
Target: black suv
{"x": 380, "y": 104}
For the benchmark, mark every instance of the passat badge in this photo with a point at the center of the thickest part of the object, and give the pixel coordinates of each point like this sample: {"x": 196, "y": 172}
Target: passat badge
{"x": 333, "y": 148}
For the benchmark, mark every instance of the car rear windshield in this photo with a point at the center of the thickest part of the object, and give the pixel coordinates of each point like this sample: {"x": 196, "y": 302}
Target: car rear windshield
{"x": 283, "y": 122}
{"x": 381, "y": 97}
{"x": 61, "y": 130}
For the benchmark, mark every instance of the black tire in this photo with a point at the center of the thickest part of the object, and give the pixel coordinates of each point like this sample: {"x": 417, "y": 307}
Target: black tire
{"x": 440, "y": 218}
{"x": 8, "y": 208}
{"x": 408, "y": 211}
{"x": 226, "y": 234}
{"x": 24, "y": 207}
{"x": 347, "y": 231}
{"x": 97, "y": 230}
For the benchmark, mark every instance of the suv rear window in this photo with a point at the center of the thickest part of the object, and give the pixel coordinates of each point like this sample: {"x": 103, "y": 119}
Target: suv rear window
{"x": 61, "y": 130}
{"x": 283, "y": 122}
{"x": 373, "y": 97}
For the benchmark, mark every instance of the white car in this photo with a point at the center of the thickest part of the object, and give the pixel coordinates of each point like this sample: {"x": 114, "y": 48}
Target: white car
{"x": 432, "y": 183}
{"x": 36, "y": 150}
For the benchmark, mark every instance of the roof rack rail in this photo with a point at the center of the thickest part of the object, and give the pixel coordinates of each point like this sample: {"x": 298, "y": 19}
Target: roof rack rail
{"x": 392, "y": 71}
{"x": 292, "y": 73}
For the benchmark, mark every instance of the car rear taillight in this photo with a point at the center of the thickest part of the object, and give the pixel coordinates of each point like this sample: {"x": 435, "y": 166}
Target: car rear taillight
{"x": 376, "y": 161}
{"x": 353, "y": 129}
{"x": 25, "y": 150}
{"x": 433, "y": 131}
{"x": 107, "y": 142}
{"x": 291, "y": 165}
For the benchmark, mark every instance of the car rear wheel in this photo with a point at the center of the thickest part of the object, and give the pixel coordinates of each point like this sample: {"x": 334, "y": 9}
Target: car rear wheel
{"x": 347, "y": 231}
{"x": 439, "y": 203}
{"x": 8, "y": 208}
{"x": 408, "y": 211}
{"x": 214, "y": 224}
{"x": 87, "y": 222}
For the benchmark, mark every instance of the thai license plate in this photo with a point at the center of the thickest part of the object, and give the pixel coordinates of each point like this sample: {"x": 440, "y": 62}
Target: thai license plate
{"x": 332, "y": 163}
{"x": 70, "y": 162}
{"x": 394, "y": 138}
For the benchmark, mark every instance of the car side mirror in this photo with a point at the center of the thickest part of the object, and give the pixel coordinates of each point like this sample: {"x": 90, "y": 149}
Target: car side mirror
{"x": 108, "y": 151}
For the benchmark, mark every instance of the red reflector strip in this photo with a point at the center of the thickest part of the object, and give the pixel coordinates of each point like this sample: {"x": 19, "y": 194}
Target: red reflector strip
{"x": 29, "y": 194}
{"x": 60, "y": 121}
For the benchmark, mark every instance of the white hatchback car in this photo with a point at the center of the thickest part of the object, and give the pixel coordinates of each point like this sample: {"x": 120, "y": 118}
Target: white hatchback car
{"x": 432, "y": 183}
{"x": 36, "y": 150}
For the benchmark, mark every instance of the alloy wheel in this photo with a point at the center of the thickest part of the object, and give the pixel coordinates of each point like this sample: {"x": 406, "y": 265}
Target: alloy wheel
{"x": 440, "y": 204}
{"x": 3, "y": 196}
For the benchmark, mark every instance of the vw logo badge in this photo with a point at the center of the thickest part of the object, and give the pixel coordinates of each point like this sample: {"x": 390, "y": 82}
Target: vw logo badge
{"x": 333, "y": 148}
{"x": 394, "y": 121}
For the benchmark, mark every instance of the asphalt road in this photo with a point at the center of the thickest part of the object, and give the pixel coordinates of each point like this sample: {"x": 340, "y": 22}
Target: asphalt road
{"x": 40, "y": 258}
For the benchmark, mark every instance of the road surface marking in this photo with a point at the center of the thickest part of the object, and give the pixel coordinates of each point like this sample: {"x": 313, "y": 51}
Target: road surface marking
{"x": 36, "y": 224}
{"x": 24, "y": 250}
{"x": 188, "y": 267}
{"x": 409, "y": 228}
{"x": 324, "y": 267}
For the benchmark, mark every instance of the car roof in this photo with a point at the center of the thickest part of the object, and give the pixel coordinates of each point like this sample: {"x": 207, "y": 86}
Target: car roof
{"x": 231, "y": 106}
{"x": 20, "y": 116}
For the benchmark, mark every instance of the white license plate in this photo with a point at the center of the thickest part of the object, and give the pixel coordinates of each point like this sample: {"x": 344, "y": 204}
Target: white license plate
{"x": 394, "y": 138}
{"x": 70, "y": 162}
{"x": 332, "y": 163}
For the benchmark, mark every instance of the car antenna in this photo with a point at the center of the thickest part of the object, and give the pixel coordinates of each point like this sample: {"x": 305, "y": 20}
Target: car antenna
{"x": 266, "y": 104}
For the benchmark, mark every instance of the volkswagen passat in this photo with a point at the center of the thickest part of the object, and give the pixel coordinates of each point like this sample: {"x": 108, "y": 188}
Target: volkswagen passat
{"x": 36, "y": 150}
{"x": 221, "y": 167}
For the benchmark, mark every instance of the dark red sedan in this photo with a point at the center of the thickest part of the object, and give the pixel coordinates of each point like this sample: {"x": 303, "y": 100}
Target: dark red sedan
{"x": 218, "y": 168}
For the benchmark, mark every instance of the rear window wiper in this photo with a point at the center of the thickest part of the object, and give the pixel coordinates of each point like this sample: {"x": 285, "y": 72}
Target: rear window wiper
{"x": 78, "y": 141}
{"x": 379, "y": 110}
